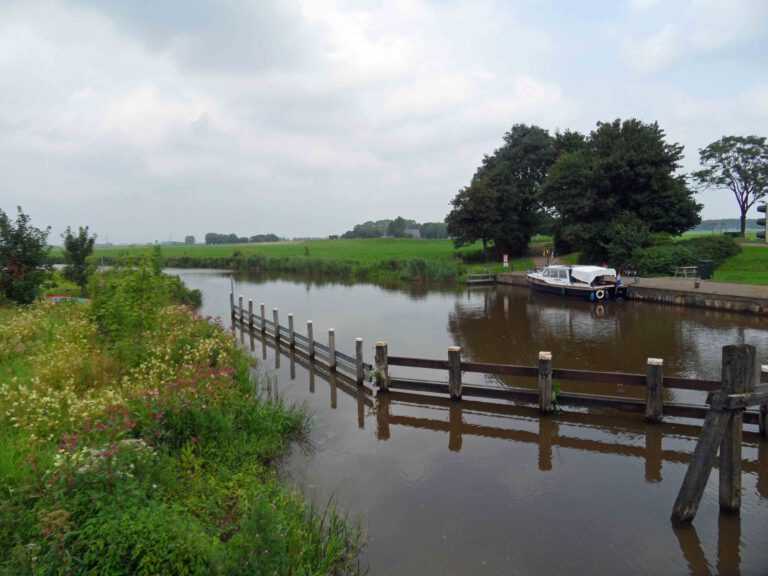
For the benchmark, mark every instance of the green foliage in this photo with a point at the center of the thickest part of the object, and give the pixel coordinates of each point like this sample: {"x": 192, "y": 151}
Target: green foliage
{"x": 77, "y": 249}
{"x": 750, "y": 266}
{"x": 623, "y": 170}
{"x": 23, "y": 258}
{"x": 739, "y": 163}
{"x": 661, "y": 260}
{"x": 502, "y": 203}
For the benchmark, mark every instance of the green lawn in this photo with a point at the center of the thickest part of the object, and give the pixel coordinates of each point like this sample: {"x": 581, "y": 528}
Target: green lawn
{"x": 748, "y": 267}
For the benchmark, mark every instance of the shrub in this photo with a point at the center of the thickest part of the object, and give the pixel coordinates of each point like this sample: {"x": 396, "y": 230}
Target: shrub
{"x": 663, "y": 259}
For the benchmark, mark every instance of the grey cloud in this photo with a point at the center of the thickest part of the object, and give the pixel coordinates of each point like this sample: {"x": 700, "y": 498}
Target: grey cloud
{"x": 209, "y": 35}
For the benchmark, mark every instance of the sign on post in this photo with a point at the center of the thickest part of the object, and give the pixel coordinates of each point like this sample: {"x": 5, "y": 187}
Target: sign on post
{"x": 506, "y": 260}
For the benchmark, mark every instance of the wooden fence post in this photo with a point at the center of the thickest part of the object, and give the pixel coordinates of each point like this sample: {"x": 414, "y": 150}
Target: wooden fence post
{"x": 360, "y": 375}
{"x": 545, "y": 381}
{"x": 277, "y": 324}
{"x": 232, "y": 306}
{"x": 382, "y": 367}
{"x": 739, "y": 369}
{"x": 331, "y": 349}
{"x": 454, "y": 372}
{"x": 654, "y": 389}
{"x": 291, "y": 333}
{"x": 263, "y": 318}
{"x": 311, "y": 340}
{"x": 764, "y": 407}
{"x": 240, "y": 305}
{"x": 250, "y": 315}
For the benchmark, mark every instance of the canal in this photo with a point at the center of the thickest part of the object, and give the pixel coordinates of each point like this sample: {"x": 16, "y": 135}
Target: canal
{"x": 442, "y": 488}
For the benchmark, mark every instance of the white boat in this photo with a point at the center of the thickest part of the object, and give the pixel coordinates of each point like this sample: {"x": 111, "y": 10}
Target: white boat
{"x": 589, "y": 282}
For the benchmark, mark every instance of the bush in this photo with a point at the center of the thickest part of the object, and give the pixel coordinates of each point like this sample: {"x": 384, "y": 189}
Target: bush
{"x": 663, "y": 259}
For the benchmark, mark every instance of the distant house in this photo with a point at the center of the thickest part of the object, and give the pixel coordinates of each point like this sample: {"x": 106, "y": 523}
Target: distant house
{"x": 412, "y": 233}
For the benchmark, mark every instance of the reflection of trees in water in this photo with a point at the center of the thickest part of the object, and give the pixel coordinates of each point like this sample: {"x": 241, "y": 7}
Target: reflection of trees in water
{"x": 511, "y": 325}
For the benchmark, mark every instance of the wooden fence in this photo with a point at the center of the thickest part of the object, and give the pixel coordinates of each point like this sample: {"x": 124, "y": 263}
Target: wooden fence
{"x": 544, "y": 395}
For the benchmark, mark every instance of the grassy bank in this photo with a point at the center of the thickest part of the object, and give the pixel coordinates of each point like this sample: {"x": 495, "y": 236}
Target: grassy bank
{"x": 748, "y": 267}
{"x": 380, "y": 259}
{"x": 133, "y": 440}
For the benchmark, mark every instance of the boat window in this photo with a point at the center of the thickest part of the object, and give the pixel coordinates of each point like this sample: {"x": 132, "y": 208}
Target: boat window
{"x": 562, "y": 274}
{"x": 547, "y": 273}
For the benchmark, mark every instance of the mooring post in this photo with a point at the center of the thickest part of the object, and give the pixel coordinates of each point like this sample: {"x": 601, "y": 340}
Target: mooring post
{"x": 545, "y": 381}
{"x": 454, "y": 372}
{"x": 250, "y": 314}
{"x": 291, "y": 333}
{"x": 360, "y": 375}
{"x": 764, "y": 407}
{"x": 331, "y": 349}
{"x": 654, "y": 390}
{"x": 310, "y": 340}
{"x": 277, "y": 324}
{"x": 382, "y": 367}
{"x": 232, "y": 306}
{"x": 739, "y": 370}
{"x": 263, "y": 317}
{"x": 240, "y": 305}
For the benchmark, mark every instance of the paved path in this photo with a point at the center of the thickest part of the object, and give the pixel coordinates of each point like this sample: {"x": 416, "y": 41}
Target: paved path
{"x": 705, "y": 287}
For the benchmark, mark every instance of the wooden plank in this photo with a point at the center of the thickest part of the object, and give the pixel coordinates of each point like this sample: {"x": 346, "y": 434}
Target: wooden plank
{"x": 689, "y": 384}
{"x": 609, "y": 377}
{"x": 500, "y": 369}
{"x": 689, "y": 496}
{"x": 418, "y": 362}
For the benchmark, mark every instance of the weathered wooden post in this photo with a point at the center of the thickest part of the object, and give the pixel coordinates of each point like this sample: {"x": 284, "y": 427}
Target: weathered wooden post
{"x": 240, "y": 305}
{"x": 310, "y": 340}
{"x": 291, "y": 333}
{"x": 277, "y": 324}
{"x": 737, "y": 379}
{"x": 654, "y": 389}
{"x": 454, "y": 372}
{"x": 764, "y": 407}
{"x": 359, "y": 372}
{"x": 263, "y": 317}
{"x": 331, "y": 349}
{"x": 738, "y": 373}
{"x": 250, "y": 314}
{"x": 334, "y": 389}
{"x": 232, "y": 306}
{"x": 382, "y": 367}
{"x": 545, "y": 382}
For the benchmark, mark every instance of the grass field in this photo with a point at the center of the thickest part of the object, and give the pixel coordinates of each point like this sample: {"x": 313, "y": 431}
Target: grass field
{"x": 749, "y": 267}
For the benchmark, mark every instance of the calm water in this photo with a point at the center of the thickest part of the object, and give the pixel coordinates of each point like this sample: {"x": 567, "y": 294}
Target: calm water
{"x": 467, "y": 488}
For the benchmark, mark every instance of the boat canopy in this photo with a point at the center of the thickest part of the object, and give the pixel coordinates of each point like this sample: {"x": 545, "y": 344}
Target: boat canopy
{"x": 589, "y": 274}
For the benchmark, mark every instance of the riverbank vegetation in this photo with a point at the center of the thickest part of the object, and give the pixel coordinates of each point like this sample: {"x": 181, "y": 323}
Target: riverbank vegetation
{"x": 135, "y": 440}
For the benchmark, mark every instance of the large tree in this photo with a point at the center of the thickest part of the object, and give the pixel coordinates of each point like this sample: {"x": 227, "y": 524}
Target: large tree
{"x": 622, "y": 182}
{"x": 77, "y": 248}
{"x": 739, "y": 163}
{"x": 23, "y": 258}
{"x": 502, "y": 203}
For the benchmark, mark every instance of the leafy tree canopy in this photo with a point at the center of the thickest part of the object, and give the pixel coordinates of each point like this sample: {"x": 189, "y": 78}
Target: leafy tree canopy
{"x": 739, "y": 163}
{"x": 621, "y": 181}
{"x": 23, "y": 258}
{"x": 502, "y": 203}
{"x": 77, "y": 248}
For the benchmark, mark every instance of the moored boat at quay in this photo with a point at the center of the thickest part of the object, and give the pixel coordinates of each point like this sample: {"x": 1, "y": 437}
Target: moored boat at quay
{"x": 588, "y": 282}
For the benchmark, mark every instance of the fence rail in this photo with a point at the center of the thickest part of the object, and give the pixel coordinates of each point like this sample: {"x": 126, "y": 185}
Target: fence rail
{"x": 653, "y": 381}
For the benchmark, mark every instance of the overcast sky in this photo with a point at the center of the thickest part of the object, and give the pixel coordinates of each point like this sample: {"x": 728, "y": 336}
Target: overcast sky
{"x": 148, "y": 120}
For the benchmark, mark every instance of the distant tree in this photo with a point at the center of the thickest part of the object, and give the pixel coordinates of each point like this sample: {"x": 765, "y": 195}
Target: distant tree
{"x": 739, "y": 163}
{"x": 265, "y": 238}
{"x": 503, "y": 201}
{"x": 397, "y": 227}
{"x": 77, "y": 248}
{"x": 368, "y": 230}
{"x": 23, "y": 258}
{"x": 189, "y": 240}
{"x": 434, "y": 230}
{"x": 621, "y": 180}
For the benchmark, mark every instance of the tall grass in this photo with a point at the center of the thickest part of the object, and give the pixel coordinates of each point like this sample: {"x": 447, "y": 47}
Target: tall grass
{"x": 135, "y": 442}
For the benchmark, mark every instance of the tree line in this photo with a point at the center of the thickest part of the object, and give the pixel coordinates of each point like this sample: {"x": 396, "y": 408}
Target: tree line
{"x": 214, "y": 238}
{"x": 603, "y": 194}
{"x": 398, "y": 228}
